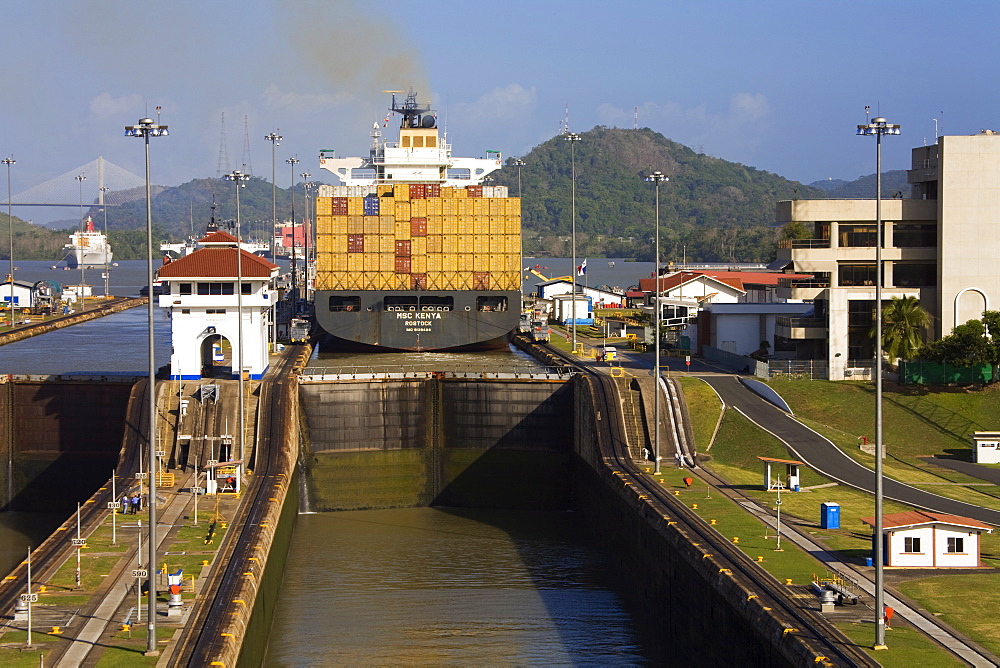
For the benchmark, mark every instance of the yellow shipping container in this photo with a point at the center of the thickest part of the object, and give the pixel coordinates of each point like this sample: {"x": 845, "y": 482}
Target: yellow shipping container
{"x": 418, "y": 264}
{"x": 355, "y": 224}
{"x": 355, "y": 206}
{"x": 371, "y": 224}
{"x": 480, "y": 206}
{"x": 418, "y": 208}
{"x": 479, "y": 245}
{"x": 403, "y": 229}
{"x": 338, "y": 262}
{"x": 434, "y": 262}
{"x": 371, "y": 262}
{"x": 460, "y": 193}
{"x": 335, "y": 225}
{"x": 434, "y": 206}
{"x": 401, "y": 193}
{"x": 383, "y": 189}
{"x": 387, "y": 225}
{"x": 513, "y": 206}
{"x": 497, "y": 206}
{"x": 449, "y": 207}
{"x": 435, "y": 243}
{"x": 387, "y": 244}
{"x": 449, "y": 243}
{"x": 386, "y": 262}
{"x": 332, "y": 243}
{"x": 450, "y": 263}
{"x": 418, "y": 246}
{"x": 465, "y": 207}
{"x": 435, "y": 224}
{"x": 449, "y": 225}
{"x": 324, "y": 206}
{"x": 355, "y": 262}
{"x": 402, "y": 210}
{"x": 466, "y": 262}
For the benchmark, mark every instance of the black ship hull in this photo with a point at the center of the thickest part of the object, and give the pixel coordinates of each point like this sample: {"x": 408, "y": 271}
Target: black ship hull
{"x": 385, "y": 321}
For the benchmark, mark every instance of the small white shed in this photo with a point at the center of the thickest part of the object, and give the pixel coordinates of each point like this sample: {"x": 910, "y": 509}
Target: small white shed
{"x": 986, "y": 447}
{"x": 922, "y": 539}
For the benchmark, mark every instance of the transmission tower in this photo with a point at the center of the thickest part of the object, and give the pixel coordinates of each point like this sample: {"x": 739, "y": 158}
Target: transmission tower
{"x": 247, "y": 165}
{"x": 223, "y": 167}
{"x": 635, "y": 118}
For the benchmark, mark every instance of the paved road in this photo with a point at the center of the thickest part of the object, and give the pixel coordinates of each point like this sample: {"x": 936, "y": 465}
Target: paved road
{"x": 826, "y": 458}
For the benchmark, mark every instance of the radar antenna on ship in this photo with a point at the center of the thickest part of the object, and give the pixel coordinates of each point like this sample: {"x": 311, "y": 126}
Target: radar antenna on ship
{"x": 412, "y": 113}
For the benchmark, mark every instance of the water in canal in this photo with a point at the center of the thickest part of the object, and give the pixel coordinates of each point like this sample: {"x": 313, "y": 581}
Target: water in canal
{"x": 436, "y": 586}
{"x": 19, "y": 531}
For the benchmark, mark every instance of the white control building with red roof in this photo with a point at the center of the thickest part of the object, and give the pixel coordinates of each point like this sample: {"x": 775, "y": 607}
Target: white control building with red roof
{"x": 201, "y": 292}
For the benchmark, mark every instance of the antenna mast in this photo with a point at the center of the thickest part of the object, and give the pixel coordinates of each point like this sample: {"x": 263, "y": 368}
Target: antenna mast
{"x": 247, "y": 165}
{"x": 635, "y": 118}
{"x": 223, "y": 167}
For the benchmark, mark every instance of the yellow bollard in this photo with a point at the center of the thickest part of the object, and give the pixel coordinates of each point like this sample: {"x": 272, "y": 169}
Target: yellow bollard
{"x": 736, "y": 540}
{"x": 677, "y": 492}
{"x": 788, "y": 581}
{"x": 56, "y": 631}
{"x": 204, "y": 562}
{"x": 41, "y": 589}
{"x": 694, "y": 506}
{"x": 760, "y": 560}
{"x": 712, "y": 522}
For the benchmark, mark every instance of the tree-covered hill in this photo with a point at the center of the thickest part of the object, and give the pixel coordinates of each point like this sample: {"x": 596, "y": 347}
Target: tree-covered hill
{"x": 712, "y": 209}
{"x": 894, "y": 184}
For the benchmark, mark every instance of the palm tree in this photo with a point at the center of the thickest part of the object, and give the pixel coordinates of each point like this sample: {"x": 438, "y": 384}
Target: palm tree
{"x": 904, "y": 322}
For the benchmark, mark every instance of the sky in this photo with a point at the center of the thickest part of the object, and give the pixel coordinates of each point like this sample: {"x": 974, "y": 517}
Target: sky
{"x": 779, "y": 85}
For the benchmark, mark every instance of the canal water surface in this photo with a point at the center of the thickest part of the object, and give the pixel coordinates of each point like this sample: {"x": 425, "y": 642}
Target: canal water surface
{"x": 437, "y": 586}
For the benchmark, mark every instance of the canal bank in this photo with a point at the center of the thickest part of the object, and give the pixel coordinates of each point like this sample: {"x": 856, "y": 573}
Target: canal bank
{"x": 111, "y": 305}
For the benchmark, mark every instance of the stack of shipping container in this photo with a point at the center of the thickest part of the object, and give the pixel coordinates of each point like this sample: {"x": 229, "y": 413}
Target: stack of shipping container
{"x": 417, "y": 237}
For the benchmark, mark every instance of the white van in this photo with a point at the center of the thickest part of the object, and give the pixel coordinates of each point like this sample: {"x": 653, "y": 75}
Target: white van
{"x": 607, "y": 354}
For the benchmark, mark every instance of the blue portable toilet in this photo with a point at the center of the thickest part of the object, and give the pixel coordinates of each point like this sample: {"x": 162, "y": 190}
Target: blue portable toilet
{"x": 829, "y": 516}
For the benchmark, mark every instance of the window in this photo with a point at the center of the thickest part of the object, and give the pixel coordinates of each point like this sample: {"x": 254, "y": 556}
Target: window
{"x": 215, "y": 311}
{"x": 342, "y": 303}
{"x": 184, "y": 288}
{"x": 914, "y": 275}
{"x": 856, "y": 274}
{"x": 186, "y": 311}
{"x": 215, "y": 288}
{"x": 914, "y": 235}
{"x": 911, "y": 544}
{"x": 862, "y": 235}
{"x": 956, "y": 545}
{"x": 245, "y": 288}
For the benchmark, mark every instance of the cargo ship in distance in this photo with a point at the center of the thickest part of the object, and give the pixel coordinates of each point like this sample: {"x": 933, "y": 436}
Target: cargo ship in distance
{"x": 87, "y": 247}
{"x": 413, "y": 252}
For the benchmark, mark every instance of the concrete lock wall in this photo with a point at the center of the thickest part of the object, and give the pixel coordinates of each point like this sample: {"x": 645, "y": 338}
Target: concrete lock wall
{"x": 62, "y": 436}
{"x": 401, "y": 443}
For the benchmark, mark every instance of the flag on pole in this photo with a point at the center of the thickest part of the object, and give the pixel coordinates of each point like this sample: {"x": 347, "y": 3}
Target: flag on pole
{"x": 582, "y": 269}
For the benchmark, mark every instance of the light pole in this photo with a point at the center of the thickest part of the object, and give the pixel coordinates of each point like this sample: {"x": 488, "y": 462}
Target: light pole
{"x": 83, "y": 300}
{"x": 275, "y": 140}
{"x": 517, "y": 162}
{"x": 107, "y": 245}
{"x": 878, "y": 127}
{"x": 10, "y": 231}
{"x": 239, "y": 178}
{"x": 656, "y": 178}
{"x": 306, "y": 223}
{"x": 572, "y": 138}
{"x": 295, "y": 283}
{"x": 145, "y": 129}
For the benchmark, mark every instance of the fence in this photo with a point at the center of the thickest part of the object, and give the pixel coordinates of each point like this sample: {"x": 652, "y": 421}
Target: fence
{"x": 738, "y": 363}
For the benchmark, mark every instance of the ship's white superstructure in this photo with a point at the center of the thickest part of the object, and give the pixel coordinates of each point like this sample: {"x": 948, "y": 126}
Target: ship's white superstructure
{"x": 422, "y": 155}
{"x": 87, "y": 247}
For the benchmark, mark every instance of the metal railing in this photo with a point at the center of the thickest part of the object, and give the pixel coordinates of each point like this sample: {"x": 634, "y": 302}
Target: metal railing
{"x": 791, "y": 321}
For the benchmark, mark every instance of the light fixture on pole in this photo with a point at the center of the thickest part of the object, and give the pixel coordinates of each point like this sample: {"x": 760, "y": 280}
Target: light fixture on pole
{"x": 295, "y": 283}
{"x": 275, "y": 140}
{"x": 572, "y": 138}
{"x": 517, "y": 162}
{"x": 656, "y": 178}
{"x": 10, "y": 230}
{"x": 145, "y": 129}
{"x": 239, "y": 178}
{"x": 878, "y": 127}
{"x": 306, "y": 223}
{"x": 107, "y": 245}
{"x": 79, "y": 245}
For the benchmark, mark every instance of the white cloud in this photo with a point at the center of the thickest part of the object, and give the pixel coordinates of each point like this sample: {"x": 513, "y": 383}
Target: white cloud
{"x": 499, "y": 104}
{"x": 306, "y": 102}
{"x": 104, "y": 106}
{"x": 733, "y": 133}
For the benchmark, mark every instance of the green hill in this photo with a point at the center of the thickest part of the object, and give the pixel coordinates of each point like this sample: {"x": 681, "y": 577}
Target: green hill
{"x": 713, "y": 209}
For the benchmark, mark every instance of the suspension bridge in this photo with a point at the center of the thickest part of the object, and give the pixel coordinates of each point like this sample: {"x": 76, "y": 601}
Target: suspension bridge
{"x": 104, "y": 184}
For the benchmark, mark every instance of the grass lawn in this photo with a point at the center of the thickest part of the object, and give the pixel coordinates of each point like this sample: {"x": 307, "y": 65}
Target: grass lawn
{"x": 907, "y": 647}
{"x": 704, "y": 407}
{"x": 949, "y": 596}
{"x": 830, "y": 408}
{"x": 128, "y": 647}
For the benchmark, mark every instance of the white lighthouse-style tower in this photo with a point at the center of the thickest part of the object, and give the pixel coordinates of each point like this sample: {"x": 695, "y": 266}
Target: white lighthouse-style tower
{"x": 200, "y": 290}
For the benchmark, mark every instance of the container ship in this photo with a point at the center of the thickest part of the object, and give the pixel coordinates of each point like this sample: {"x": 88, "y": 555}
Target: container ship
{"x": 87, "y": 247}
{"x": 413, "y": 252}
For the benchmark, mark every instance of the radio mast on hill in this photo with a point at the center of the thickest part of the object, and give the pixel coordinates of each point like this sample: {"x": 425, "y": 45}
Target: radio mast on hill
{"x": 223, "y": 167}
{"x": 247, "y": 165}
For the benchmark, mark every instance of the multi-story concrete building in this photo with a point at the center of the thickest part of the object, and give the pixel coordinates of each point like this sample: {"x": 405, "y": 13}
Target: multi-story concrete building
{"x": 940, "y": 245}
